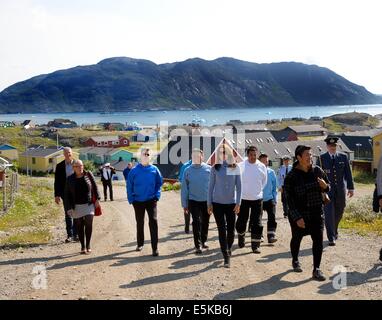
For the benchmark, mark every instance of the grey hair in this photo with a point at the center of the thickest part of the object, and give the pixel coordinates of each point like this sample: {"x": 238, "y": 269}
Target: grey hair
{"x": 77, "y": 162}
{"x": 67, "y": 149}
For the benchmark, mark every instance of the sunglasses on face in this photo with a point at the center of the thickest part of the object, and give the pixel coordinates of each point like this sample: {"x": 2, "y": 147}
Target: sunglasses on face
{"x": 146, "y": 154}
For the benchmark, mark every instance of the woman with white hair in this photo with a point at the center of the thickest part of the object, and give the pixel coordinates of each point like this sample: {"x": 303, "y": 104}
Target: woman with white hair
{"x": 80, "y": 192}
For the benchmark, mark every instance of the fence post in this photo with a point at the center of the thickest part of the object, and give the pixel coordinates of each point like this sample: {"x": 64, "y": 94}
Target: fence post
{"x": 4, "y": 193}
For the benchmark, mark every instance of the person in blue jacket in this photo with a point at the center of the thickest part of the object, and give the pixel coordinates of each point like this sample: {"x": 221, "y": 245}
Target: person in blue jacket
{"x": 194, "y": 198}
{"x": 187, "y": 217}
{"x": 143, "y": 192}
{"x": 127, "y": 170}
{"x": 270, "y": 199}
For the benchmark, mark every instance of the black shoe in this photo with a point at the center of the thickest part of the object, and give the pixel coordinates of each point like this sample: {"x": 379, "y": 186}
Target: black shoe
{"x": 272, "y": 240}
{"x": 296, "y": 266}
{"x": 229, "y": 251}
{"x": 198, "y": 251}
{"x": 187, "y": 230}
{"x": 256, "y": 250}
{"x": 139, "y": 248}
{"x": 68, "y": 239}
{"x": 380, "y": 255}
{"x": 332, "y": 243}
{"x": 318, "y": 275}
{"x": 205, "y": 245}
{"x": 241, "y": 241}
{"x": 285, "y": 215}
{"x": 76, "y": 239}
{"x": 155, "y": 253}
{"x": 227, "y": 262}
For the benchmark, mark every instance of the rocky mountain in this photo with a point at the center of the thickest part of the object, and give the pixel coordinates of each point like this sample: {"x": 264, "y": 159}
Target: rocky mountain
{"x": 122, "y": 84}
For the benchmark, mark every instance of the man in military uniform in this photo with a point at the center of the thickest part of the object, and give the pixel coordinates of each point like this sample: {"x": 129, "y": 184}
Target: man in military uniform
{"x": 282, "y": 173}
{"x": 337, "y": 167}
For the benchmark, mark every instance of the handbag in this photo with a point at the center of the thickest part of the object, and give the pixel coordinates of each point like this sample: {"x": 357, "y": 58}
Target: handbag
{"x": 325, "y": 198}
{"x": 97, "y": 210}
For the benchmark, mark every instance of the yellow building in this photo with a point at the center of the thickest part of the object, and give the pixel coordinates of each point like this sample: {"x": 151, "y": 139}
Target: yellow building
{"x": 9, "y": 152}
{"x": 377, "y": 141}
{"x": 42, "y": 160}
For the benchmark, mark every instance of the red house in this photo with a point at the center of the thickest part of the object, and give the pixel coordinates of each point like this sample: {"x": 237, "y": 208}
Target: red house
{"x": 107, "y": 141}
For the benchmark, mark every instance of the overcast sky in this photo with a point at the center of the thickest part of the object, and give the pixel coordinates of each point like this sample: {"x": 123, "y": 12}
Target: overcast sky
{"x": 41, "y": 36}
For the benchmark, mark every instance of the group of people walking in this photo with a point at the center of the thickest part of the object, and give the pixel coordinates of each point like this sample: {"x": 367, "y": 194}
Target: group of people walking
{"x": 236, "y": 192}
{"x": 246, "y": 189}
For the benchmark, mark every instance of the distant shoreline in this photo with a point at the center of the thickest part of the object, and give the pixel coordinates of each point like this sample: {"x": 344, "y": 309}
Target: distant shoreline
{"x": 207, "y": 117}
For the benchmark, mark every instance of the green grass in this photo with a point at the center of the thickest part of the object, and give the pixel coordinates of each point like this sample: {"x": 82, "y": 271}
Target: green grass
{"x": 360, "y": 217}
{"x": 28, "y": 221}
{"x": 363, "y": 177}
{"x": 16, "y": 137}
{"x": 170, "y": 187}
{"x": 333, "y": 126}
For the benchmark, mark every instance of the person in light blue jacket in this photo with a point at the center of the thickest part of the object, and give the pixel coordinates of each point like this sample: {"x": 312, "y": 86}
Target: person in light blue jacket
{"x": 143, "y": 192}
{"x": 224, "y": 198}
{"x": 180, "y": 178}
{"x": 270, "y": 199}
{"x": 194, "y": 198}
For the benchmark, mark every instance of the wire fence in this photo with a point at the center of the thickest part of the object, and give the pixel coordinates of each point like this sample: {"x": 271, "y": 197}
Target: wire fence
{"x": 9, "y": 186}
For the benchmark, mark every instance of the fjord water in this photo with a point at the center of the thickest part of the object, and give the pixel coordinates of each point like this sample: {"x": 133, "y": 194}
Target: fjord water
{"x": 205, "y": 117}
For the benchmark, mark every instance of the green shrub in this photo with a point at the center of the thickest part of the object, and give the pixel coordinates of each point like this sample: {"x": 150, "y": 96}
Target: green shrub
{"x": 170, "y": 187}
{"x": 363, "y": 177}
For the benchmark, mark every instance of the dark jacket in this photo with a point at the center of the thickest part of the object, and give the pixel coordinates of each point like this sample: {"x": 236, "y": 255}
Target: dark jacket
{"x": 303, "y": 193}
{"x": 60, "y": 180}
{"x": 70, "y": 189}
{"x": 112, "y": 172}
{"x": 339, "y": 175}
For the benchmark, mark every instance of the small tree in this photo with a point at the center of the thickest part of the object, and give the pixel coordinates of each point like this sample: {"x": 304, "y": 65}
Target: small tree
{"x": 89, "y": 166}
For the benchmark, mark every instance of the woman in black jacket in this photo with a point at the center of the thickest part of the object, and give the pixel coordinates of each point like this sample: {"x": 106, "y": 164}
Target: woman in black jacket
{"x": 303, "y": 190}
{"x": 82, "y": 196}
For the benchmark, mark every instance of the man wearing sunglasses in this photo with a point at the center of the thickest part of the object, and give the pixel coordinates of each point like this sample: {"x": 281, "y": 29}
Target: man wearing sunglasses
{"x": 143, "y": 192}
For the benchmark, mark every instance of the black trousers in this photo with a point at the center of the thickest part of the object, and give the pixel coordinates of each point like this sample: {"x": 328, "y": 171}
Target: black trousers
{"x": 256, "y": 227}
{"x": 140, "y": 208}
{"x": 187, "y": 219}
{"x": 284, "y": 203}
{"x": 85, "y": 229}
{"x": 225, "y": 220}
{"x": 314, "y": 228}
{"x": 270, "y": 208}
{"x": 200, "y": 221}
{"x": 107, "y": 184}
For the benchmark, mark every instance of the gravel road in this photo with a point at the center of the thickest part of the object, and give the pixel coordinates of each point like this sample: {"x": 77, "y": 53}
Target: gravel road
{"x": 114, "y": 270}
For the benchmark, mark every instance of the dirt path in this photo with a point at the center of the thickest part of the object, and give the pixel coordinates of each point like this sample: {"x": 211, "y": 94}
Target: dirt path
{"x": 115, "y": 271}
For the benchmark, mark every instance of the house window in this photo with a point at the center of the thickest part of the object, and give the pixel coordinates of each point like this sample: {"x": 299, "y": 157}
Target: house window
{"x": 115, "y": 143}
{"x": 50, "y": 160}
{"x": 33, "y": 160}
{"x": 99, "y": 143}
{"x": 125, "y": 142}
{"x": 105, "y": 143}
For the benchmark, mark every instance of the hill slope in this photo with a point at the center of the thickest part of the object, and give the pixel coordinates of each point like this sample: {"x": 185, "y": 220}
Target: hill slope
{"x": 120, "y": 84}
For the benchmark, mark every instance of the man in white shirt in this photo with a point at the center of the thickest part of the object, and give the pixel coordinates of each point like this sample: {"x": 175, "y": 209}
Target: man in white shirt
{"x": 107, "y": 173}
{"x": 253, "y": 180}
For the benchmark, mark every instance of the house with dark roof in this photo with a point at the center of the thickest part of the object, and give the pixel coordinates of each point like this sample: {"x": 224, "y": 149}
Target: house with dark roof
{"x": 366, "y": 145}
{"x": 42, "y": 159}
{"x": 310, "y": 130}
{"x": 107, "y": 141}
{"x": 178, "y": 150}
